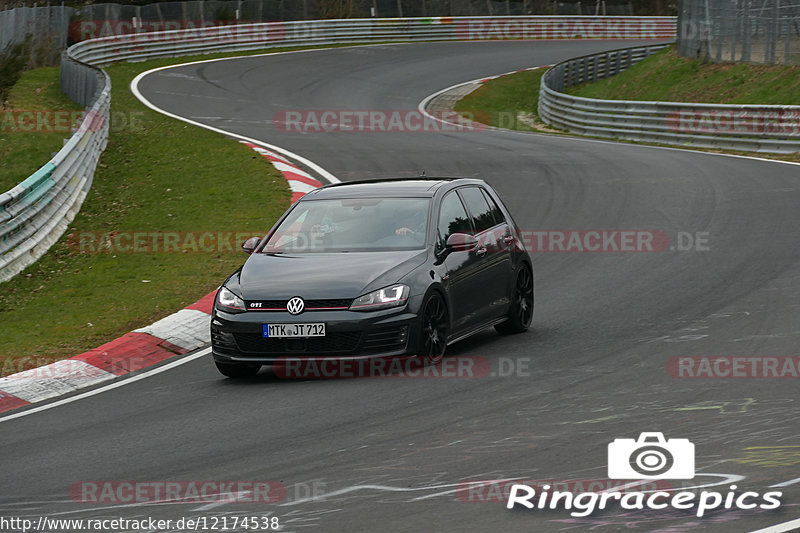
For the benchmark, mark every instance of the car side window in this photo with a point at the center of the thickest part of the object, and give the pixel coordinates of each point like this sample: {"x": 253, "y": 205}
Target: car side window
{"x": 499, "y": 218}
{"x": 479, "y": 208}
{"x": 453, "y": 218}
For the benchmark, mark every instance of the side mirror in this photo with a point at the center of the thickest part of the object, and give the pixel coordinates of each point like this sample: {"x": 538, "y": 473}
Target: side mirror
{"x": 461, "y": 242}
{"x": 250, "y": 245}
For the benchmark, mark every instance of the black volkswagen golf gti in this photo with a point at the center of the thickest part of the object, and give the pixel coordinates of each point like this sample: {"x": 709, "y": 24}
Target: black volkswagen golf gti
{"x": 380, "y": 268}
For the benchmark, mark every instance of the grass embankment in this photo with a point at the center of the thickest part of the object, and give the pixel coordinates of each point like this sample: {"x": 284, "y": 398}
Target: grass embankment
{"x": 668, "y": 77}
{"x": 506, "y": 102}
{"x": 511, "y": 101}
{"x": 25, "y": 145}
{"x": 157, "y": 175}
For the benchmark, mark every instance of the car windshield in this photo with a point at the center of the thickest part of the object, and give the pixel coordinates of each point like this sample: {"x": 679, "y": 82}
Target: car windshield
{"x": 352, "y": 225}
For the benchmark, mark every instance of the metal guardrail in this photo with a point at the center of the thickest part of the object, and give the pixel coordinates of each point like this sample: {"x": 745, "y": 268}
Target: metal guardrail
{"x": 242, "y": 37}
{"x": 35, "y": 213}
{"x": 756, "y": 128}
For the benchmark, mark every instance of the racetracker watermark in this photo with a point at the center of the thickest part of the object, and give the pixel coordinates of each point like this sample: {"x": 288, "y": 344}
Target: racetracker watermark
{"x": 613, "y": 241}
{"x": 377, "y": 121}
{"x": 194, "y": 491}
{"x": 454, "y": 367}
{"x": 734, "y": 367}
{"x": 136, "y": 31}
{"x": 47, "y": 368}
{"x": 577, "y": 28}
{"x": 651, "y": 456}
{"x": 299, "y": 240}
{"x": 148, "y": 242}
{"x": 765, "y": 120}
{"x": 66, "y": 121}
{"x": 98, "y": 364}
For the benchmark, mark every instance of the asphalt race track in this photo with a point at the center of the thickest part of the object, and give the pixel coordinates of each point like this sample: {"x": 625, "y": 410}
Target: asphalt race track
{"x": 389, "y": 454}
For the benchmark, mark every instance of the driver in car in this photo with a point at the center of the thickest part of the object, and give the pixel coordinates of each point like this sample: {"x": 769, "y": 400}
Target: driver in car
{"x": 412, "y": 224}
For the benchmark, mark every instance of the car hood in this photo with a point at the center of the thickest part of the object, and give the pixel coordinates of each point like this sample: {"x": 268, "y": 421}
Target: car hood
{"x": 321, "y": 275}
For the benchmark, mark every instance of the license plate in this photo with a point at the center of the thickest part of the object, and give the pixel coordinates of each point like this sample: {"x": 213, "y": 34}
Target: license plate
{"x": 278, "y": 331}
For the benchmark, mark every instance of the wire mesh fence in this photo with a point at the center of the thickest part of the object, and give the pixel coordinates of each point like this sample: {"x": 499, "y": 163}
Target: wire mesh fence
{"x": 756, "y": 31}
{"x": 44, "y": 22}
{"x": 67, "y": 24}
{"x": 284, "y": 10}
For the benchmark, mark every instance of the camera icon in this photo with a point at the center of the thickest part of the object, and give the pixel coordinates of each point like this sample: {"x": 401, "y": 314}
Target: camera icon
{"x": 651, "y": 457}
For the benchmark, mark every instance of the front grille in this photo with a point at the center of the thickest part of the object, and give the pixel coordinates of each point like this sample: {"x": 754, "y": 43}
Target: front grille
{"x": 341, "y": 302}
{"x": 310, "y": 304}
{"x": 385, "y": 340}
{"x": 339, "y": 343}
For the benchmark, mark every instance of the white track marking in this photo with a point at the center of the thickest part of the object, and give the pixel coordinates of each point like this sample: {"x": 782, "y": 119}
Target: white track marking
{"x": 213, "y": 505}
{"x": 785, "y": 483}
{"x": 726, "y": 480}
{"x": 793, "y": 525}
{"x": 286, "y": 167}
{"x": 299, "y": 186}
{"x": 573, "y": 136}
{"x": 111, "y": 386}
{"x": 355, "y": 488}
{"x": 460, "y": 487}
{"x": 310, "y": 164}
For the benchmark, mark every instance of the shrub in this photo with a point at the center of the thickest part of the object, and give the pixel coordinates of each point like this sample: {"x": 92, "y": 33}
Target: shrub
{"x": 13, "y": 60}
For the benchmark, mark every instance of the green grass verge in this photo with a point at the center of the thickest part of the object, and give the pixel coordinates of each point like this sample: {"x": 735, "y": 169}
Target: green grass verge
{"x": 157, "y": 175}
{"x": 511, "y": 101}
{"x": 24, "y": 145}
{"x": 668, "y": 77}
{"x": 506, "y": 102}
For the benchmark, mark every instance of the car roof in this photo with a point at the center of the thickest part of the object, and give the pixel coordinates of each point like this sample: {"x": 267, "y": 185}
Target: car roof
{"x": 391, "y": 187}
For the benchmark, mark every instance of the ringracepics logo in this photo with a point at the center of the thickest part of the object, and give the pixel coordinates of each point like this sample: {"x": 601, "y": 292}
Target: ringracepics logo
{"x": 650, "y": 457}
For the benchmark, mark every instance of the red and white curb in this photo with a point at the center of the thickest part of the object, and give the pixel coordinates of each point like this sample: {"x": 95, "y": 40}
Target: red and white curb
{"x": 300, "y": 182}
{"x": 178, "y": 334}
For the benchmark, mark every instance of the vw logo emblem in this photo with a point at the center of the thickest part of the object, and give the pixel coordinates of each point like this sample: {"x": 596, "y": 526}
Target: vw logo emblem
{"x": 296, "y": 305}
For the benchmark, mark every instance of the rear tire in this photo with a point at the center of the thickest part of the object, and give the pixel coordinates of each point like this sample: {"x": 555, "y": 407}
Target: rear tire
{"x": 520, "y": 313}
{"x": 237, "y": 371}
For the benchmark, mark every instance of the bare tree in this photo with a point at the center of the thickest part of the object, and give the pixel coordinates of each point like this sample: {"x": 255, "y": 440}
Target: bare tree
{"x": 340, "y": 9}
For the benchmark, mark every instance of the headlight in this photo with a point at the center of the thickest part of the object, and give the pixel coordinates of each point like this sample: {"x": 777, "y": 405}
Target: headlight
{"x": 394, "y": 296}
{"x": 227, "y": 301}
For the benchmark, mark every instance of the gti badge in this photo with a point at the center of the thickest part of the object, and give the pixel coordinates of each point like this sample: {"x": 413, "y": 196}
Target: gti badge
{"x": 295, "y": 306}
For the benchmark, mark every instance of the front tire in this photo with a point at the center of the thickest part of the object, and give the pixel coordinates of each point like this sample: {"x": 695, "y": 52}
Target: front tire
{"x": 435, "y": 327}
{"x": 520, "y": 313}
{"x": 237, "y": 371}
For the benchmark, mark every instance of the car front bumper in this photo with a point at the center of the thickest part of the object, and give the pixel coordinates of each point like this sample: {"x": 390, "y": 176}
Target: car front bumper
{"x": 349, "y": 335}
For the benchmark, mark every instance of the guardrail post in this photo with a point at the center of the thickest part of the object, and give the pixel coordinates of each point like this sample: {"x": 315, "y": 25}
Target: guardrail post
{"x": 746, "y": 30}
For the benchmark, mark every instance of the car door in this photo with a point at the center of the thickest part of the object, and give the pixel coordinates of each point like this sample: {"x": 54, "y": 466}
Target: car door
{"x": 460, "y": 268}
{"x": 495, "y": 267}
